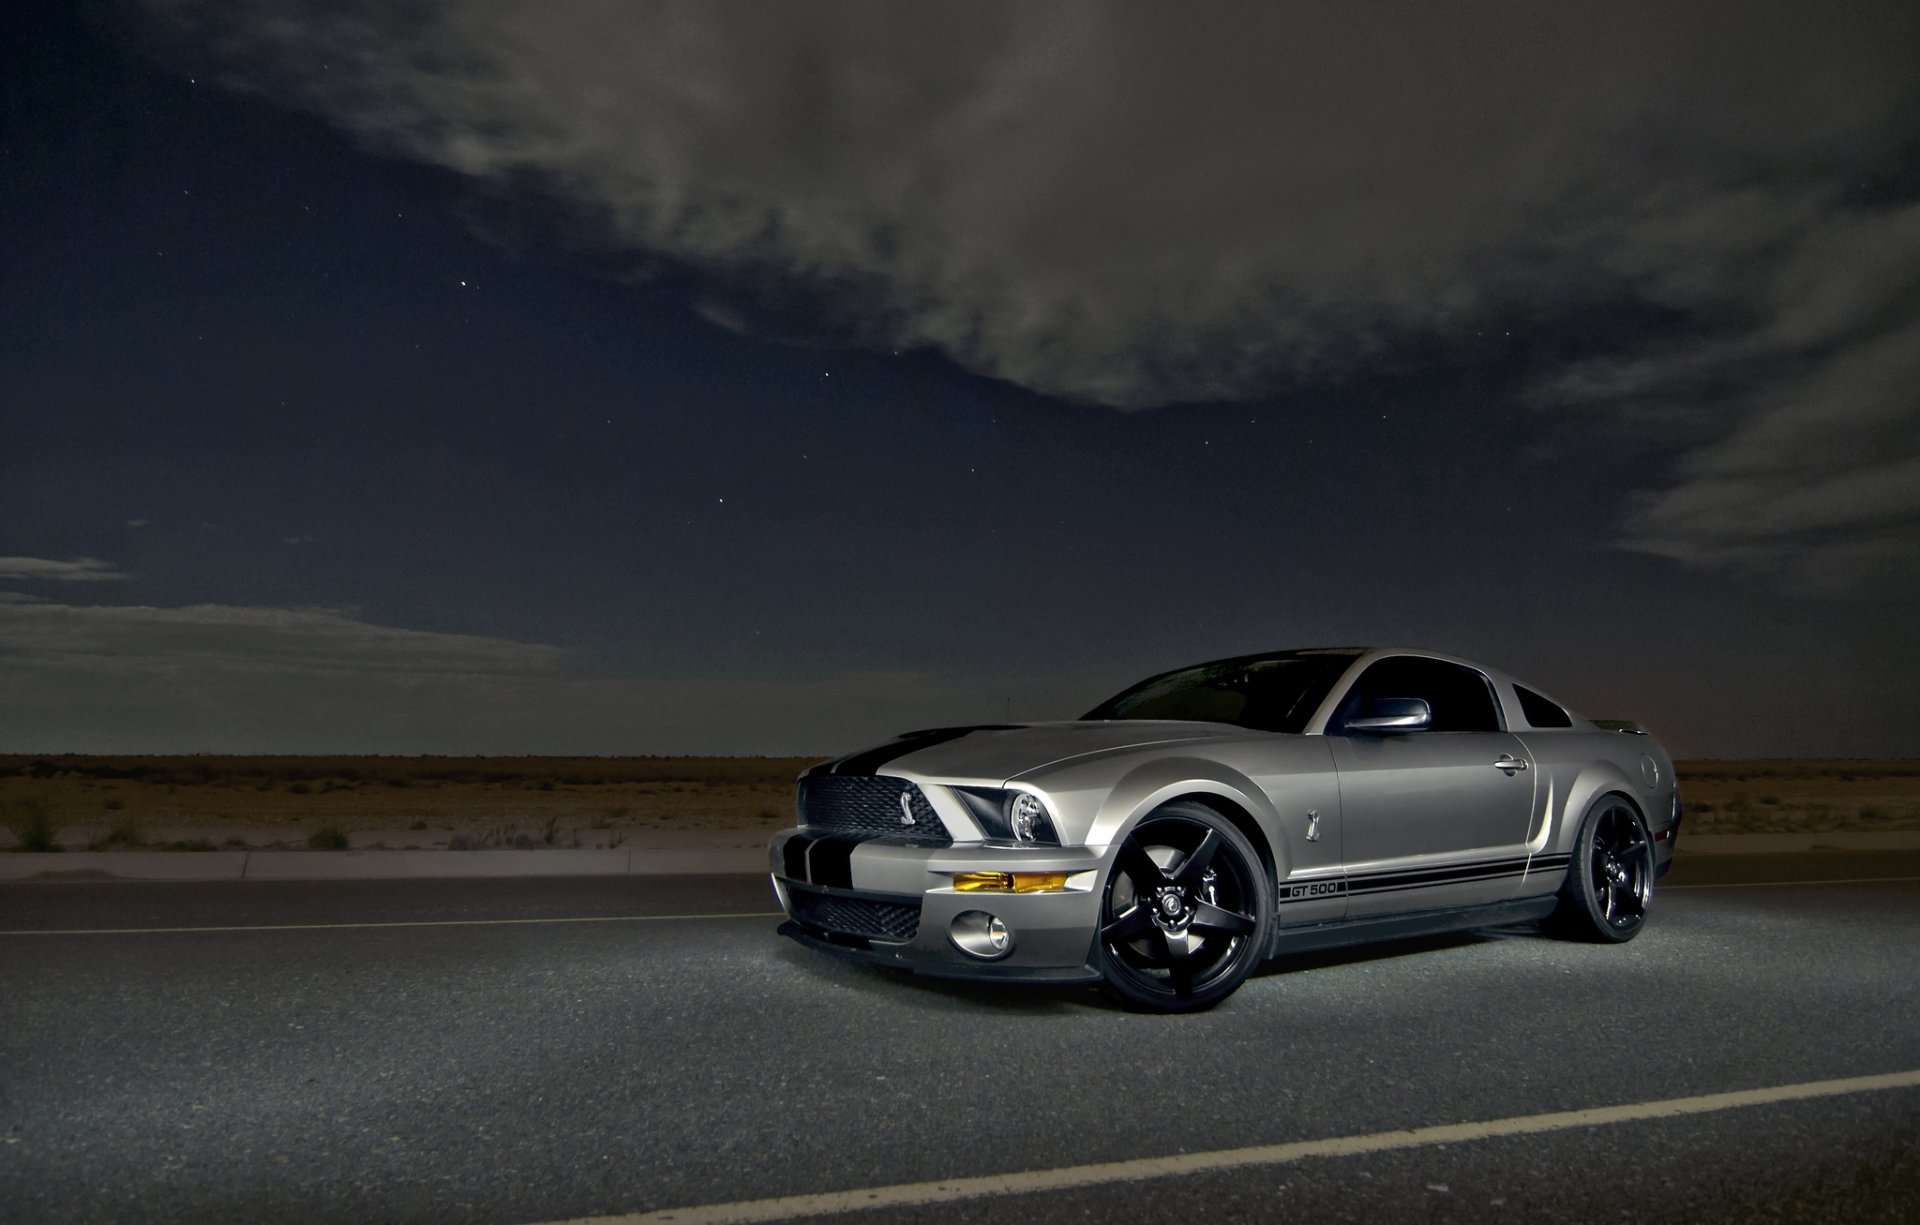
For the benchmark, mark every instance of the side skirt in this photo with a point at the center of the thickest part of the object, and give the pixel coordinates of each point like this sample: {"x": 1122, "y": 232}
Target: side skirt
{"x": 1421, "y": 923}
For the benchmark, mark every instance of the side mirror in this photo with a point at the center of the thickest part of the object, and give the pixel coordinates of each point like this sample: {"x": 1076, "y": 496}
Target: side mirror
{"x": 1393, "y": 715}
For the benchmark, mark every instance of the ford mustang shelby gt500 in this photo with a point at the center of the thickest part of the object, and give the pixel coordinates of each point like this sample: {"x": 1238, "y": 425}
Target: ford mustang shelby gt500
{"x": 1211, "y": 817}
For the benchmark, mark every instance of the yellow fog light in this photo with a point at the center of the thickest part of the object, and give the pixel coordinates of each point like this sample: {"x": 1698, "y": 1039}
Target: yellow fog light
{"x": 1009, "y": 882}
{"x": 1039, "y": 882}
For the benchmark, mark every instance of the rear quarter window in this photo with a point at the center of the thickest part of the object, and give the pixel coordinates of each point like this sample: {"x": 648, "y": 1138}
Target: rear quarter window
{"x": 1539, "y": 711}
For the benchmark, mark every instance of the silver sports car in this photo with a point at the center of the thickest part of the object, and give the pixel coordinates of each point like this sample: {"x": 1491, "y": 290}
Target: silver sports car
{"x": 1214, "y": 816}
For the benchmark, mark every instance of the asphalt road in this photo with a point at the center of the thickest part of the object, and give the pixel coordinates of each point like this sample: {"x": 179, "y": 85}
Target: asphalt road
{"x": 443, "y": 1051}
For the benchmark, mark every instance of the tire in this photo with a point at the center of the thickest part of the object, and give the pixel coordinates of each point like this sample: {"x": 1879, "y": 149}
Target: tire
{"x": 1186, "y": 912}
{"x": 1610, "y": 881}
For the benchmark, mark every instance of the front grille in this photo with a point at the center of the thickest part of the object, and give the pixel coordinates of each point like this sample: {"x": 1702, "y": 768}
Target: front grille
{"x": 855, "y": 916}
{"x": 868, "y": 804}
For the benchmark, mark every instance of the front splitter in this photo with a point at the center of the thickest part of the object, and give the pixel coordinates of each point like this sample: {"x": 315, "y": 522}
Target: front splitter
{"x": 902, "y": 957}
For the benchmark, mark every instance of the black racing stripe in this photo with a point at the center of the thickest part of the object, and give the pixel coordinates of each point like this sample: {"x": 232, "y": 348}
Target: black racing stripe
{"x": 793, "y": 857}
{"x": 872, "y": 759}
{"x": 830, "y": 862}
{"x": 1546, "y": 863}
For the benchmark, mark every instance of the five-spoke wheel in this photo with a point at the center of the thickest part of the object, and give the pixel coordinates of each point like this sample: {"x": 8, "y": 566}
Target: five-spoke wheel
{"x": 1611, "y": 879}
{"x": 1187, "y": 911}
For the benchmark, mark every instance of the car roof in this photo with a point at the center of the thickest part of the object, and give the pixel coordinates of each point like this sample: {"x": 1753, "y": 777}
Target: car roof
{"x": 1361, "y": 657}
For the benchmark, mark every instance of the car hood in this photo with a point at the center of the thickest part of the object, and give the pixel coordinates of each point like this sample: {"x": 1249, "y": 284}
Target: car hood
{"x": 997, "y": 752}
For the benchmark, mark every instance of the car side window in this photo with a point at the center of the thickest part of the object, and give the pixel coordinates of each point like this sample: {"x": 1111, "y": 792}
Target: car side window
{"x": 1461, "y": 699}
{"x": 1541, "y": 712}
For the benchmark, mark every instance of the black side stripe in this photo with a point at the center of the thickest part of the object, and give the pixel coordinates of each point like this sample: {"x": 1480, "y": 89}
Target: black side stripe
{"x": 1429, "y": 884}
{"x": 1414, "y": 878}
{"x": 1319, "y": 889}
{"x": 1399, "y": 880}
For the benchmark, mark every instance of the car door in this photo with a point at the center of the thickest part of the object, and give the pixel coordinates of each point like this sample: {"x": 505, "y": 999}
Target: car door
{"x": 1436, "y": 817}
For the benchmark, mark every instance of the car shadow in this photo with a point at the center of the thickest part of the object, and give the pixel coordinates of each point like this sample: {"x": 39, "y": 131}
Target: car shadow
{"x": 948, "y": 994}
{"x": 1387, "y": 950}
{"x": 1052, "y": 999}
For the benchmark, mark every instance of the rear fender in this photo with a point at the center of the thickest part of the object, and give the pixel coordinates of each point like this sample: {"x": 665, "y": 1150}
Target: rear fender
{"x": 1594, "y": 780}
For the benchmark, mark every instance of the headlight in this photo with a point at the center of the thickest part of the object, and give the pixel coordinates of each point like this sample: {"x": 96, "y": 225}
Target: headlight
{"x": 1007, "y": 815}
{"x": 1024, "y": 813}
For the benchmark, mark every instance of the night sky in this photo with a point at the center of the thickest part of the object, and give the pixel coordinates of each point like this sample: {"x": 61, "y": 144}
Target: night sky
{"x": 542, "y": 376}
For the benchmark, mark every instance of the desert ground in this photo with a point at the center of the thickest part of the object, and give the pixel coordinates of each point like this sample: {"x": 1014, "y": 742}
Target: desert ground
{"x": 1799, "y": 796}
{"x": 212, "y": 802}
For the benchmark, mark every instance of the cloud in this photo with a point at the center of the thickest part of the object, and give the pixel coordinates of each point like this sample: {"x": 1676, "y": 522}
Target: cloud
{"x": 214, "y": 677}
{"x": 1807, "y": 405}
{"x": 232, "y": 638}
{"x": 136, "y": 678}
{"x": 1138, "y": 205}
{"x": 74, "y": 570}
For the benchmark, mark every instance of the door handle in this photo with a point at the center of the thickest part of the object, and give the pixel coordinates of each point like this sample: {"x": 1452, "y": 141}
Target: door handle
{"x": 1509, "y": 764}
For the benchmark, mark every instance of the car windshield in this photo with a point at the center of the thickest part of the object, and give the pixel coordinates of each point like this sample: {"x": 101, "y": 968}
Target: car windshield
{"x": 1268, "y": 693}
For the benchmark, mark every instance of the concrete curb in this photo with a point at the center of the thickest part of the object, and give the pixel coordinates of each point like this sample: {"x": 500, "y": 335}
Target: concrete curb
{"x": 378, "y": 865}
{"x": 420, "y": 865}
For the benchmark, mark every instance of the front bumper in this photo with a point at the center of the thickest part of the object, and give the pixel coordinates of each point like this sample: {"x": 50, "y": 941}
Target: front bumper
{"x": 890, "y": 900}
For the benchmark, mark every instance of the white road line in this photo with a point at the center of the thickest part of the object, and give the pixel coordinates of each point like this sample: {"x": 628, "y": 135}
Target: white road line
{"x": 327, "y": 927}
{"x": 910, "y": 1195}
{"x": 1776, "y": 884}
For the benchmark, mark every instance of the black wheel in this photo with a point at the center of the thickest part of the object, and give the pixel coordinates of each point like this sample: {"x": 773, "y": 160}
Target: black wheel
{"x": 1610, "y": 882}
{"x": 1186, "y": 914}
